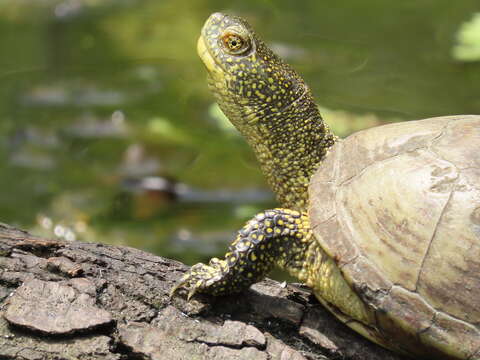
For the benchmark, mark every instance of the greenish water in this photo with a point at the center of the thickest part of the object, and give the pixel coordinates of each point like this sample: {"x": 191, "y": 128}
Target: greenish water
{"x": 108, "y": 132}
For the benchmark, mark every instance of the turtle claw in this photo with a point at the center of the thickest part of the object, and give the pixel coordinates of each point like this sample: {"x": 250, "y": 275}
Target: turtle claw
{"x": 178, "y": 286}
{"x": 200, "y": 278}
{"x": 191, "y": 293}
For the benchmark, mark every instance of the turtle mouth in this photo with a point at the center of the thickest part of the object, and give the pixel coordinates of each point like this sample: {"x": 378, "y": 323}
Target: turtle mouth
{"x": 212, "y": 65}
{"x": 205, "y": 55}
{"x": 203, "y": 48}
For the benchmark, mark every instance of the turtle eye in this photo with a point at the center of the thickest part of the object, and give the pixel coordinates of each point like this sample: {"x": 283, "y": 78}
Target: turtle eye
{"x": 235, "y": 44}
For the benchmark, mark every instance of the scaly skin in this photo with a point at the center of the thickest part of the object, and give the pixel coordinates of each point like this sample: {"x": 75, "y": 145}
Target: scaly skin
{"x": 274, "y": 109}
{"x": 275, "y": 237}
{"x": 270, "y": 105}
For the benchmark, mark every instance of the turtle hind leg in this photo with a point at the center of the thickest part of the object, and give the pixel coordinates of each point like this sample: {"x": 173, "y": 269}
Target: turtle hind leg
{"x": 274, "y": 237}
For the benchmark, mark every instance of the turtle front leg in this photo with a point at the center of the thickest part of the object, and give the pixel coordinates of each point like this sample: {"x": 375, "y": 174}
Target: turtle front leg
{"x": 274, "y": 237}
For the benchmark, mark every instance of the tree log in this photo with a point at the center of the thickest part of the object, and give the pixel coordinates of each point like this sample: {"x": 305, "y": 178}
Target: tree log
{"x": 75, "y": 300}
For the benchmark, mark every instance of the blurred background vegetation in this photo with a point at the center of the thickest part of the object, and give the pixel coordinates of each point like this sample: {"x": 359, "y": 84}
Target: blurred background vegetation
{"x": 108, "y": 132}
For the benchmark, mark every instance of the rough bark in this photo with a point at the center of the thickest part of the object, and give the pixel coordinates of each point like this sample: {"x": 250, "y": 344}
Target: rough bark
{"x": 73, "y": 300}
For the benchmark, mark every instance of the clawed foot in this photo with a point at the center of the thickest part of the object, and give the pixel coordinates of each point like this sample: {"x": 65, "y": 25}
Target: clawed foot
{"x": 278, "y": 236}
{"x": 204, "y": 278}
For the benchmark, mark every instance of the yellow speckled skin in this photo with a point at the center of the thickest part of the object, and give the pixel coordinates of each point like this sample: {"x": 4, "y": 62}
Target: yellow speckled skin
{"x": 368, "y": 230}
{"x": 270, "y": 105}
{"x": 274, "y": 109}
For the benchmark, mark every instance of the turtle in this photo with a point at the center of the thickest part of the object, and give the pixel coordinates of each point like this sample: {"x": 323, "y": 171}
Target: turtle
{"x": 383, "y": 226}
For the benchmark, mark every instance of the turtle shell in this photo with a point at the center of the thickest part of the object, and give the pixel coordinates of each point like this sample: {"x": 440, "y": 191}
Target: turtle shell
{"x": 398, "y": 208}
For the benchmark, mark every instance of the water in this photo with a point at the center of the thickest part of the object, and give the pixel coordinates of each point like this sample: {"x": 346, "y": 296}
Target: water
{"x": 108, "y": 132}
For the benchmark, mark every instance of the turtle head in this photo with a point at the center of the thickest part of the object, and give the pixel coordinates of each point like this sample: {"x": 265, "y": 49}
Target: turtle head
{"x": 249, "y": 81}
{"x": 268, "y": 102}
